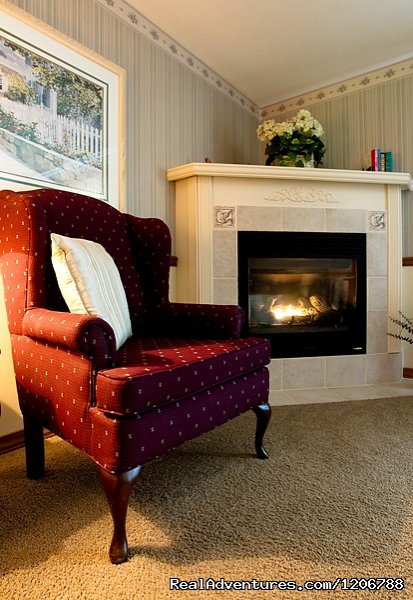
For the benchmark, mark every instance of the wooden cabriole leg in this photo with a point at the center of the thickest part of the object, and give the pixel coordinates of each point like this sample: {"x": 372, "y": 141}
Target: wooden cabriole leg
{"x": 263, "y": 412}
{"x": 117, "y": 488}
{"x": 34, "y": 446}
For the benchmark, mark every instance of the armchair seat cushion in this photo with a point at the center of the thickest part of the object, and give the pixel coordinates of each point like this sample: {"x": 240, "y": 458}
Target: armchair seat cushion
{"x": 151, "y": 372}
{"x": 119, "y": 443}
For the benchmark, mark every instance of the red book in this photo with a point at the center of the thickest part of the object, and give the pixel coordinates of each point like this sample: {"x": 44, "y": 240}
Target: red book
{"x": 375, "y": 159}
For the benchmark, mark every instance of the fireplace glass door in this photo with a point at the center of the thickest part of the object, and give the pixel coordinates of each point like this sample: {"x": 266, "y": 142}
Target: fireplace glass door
{"x": 305, "y": 292}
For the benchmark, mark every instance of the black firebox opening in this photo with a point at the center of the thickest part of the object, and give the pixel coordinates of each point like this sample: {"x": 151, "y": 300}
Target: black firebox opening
{"x": 304, "y": 291}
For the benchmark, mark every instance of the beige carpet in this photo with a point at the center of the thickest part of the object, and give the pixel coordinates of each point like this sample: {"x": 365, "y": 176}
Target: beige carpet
{"x": 334, "y": 500}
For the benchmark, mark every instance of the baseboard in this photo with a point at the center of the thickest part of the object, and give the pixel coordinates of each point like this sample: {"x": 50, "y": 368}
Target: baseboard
{"x": 14, "y": 441}
{"x": 408, "y": 373}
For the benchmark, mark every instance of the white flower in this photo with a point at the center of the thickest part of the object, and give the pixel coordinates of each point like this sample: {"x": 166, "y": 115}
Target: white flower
{"x": 267, "y": 130}
{"x": 299, "y": 136}
{"x": 303, "y": 121}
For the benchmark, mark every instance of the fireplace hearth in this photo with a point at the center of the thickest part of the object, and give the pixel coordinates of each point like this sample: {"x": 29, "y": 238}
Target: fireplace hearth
{"x": 305, "y": 291}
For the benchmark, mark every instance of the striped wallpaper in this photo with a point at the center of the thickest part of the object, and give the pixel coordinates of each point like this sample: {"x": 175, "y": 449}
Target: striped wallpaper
{"x": 173, "y": 114}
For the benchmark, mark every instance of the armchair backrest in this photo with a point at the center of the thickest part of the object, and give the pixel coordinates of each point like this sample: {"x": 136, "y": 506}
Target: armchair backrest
{"x": 139, "y": 247}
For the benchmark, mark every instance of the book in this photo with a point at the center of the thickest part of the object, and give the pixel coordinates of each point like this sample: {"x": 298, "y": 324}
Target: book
{"x": 381, "y": 160}
{"x": 389, "y": 161}
{"x": 375, "y": 159}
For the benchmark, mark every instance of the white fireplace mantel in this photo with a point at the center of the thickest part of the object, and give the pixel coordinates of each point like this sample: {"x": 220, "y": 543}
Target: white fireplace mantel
{"x": 215, "y": 201}
{"x": 262, "y": 172}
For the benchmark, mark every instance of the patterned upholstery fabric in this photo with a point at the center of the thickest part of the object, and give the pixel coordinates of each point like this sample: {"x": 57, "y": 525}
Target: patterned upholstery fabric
{"x": 176, "y": 369}
{"x": 154, "y": 432}
{"x": 184, "y": 371}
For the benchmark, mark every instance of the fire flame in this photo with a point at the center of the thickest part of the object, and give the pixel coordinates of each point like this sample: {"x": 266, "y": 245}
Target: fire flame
{"x": 282, "y": 312}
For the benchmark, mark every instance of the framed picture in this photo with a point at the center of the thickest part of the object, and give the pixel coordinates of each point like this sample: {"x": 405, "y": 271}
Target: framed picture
{"x": 61, "y": 112}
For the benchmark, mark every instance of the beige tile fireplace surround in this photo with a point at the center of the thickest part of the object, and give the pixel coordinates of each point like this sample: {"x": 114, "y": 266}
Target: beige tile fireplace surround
{"x": 215, "y": 201}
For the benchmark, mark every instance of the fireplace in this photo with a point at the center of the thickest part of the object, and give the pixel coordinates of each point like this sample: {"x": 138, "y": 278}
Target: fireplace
{"x": 305, "y": 291}
{"x": 214, "y": 203}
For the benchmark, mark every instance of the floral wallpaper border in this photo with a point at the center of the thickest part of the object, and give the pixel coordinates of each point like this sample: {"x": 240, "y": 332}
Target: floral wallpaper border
{"x": 141, "y": 24}
{"x": 395, "y": 71}
{"x": 145, "y": 27}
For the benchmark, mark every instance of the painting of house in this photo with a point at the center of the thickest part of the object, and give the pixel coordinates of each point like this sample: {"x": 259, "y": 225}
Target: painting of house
{"x": 50, "y": 121}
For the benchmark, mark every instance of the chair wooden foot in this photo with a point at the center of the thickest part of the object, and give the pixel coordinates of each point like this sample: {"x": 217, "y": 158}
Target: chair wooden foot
{"x": 263, "y": 413}
{"x": 117, "y": 488}
{"x": 34, "y": 447}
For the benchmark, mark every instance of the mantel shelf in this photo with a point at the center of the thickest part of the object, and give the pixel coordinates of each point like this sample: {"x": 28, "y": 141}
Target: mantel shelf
{"x": 404, "y": 180}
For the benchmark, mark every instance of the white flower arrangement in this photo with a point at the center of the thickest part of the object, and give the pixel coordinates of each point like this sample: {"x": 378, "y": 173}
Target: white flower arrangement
{"x": 297, "y": 137}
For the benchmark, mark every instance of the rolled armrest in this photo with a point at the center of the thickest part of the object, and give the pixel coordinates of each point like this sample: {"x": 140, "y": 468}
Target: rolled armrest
{"x": 202, "y": 320}
{"x": 86, "y": 334}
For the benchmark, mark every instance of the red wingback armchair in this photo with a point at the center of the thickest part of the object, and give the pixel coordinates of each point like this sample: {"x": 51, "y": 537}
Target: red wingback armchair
{"x": 185, "y": 370}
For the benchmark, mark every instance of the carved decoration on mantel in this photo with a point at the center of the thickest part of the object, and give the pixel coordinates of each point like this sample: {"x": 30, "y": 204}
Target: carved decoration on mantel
{"x": 302, "y": 194}
{"x": 224, "y": 216}
{"x": 377, "y": 220}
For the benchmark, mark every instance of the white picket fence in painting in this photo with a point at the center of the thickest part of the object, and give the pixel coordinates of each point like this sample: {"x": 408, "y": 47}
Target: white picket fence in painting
{"x": 79, "y": 136}
{"x": 52, "y": 128}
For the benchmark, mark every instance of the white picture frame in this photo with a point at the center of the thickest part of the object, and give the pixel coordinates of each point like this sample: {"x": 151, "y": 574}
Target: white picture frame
{"x": 51, "y": 134}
